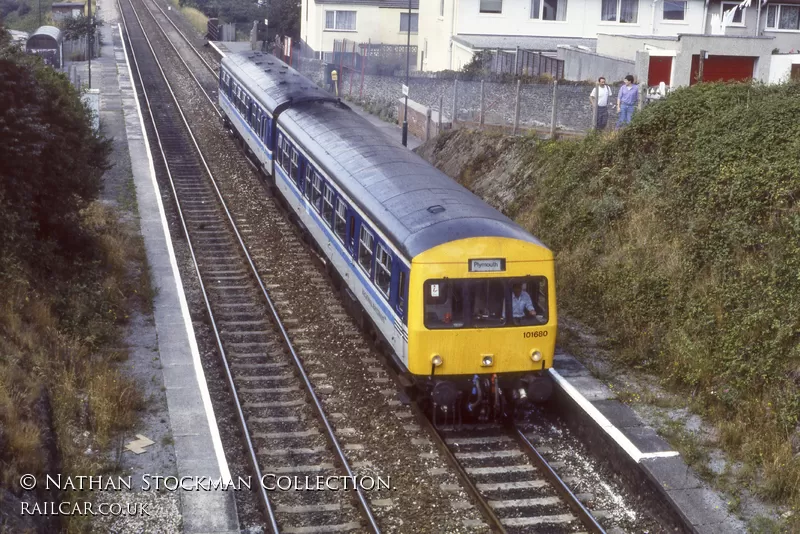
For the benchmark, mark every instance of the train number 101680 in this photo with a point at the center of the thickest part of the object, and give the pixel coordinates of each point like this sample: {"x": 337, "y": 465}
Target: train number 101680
{"x": 538, "y": 333}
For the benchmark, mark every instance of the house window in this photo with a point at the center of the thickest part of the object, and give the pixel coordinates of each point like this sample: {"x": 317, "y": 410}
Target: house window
{"x": 622, "y": 11}
{"x": 549, "y": 9}
{"x": 783, "y": 17}
{"x": 738, "y": 14}
{"x": 340, "y": 20}
{"x": 340, "y": 223}
{"x": 491, "y": 6}
{"x": 674, "y": 10}
{"x": 441, "y": 8}
{"x": 383, "y": 270}
{"x": 365, "y": 243}
{"x": 404, "y": 22}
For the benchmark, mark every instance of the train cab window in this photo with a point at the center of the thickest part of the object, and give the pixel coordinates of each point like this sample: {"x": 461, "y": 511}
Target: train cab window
{"x": 365, "y": 243}
{"x": 485, "y": 303}
{"x": 317, "y": 192}
{"x": 327, "y": 205}
{"x": 340, "y": 222}
{"x": 309, "y": 179}
{"x": 295, "y": 175}
{"x": 383, "y": 270}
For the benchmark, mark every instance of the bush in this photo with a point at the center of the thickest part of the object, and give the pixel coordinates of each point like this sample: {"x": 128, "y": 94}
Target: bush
{"x": 679, "y": 238}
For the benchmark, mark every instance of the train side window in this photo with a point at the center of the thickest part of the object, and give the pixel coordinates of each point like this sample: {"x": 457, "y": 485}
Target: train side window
{"x": 401, "y": 291}
{"x": 351, "y": 240}
{"x": 317, "y": 200}
{"x": 281, "y": 141}
{"x": 293, "y": 173}
{"x": 383, "y": 270}
{"x": 340, "y": 223}
{"x": 309, "y": 179}
{"x": 327, "y": 206}
{"x": 365, "y": 243}
{"x": 285, "y": 158}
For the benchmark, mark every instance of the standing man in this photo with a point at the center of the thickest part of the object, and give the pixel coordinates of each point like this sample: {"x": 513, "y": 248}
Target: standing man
{"x": 602, "y": 102}
{"x": 626, "y": 101}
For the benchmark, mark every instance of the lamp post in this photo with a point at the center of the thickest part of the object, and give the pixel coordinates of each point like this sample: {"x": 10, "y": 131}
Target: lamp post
{"x": 408, "y": 63}
{"x": 89, "y": 40}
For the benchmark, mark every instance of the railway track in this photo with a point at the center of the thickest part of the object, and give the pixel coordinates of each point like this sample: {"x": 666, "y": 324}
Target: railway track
{"x": 285, "y": 430}
{"x": 509, "y": 479}
{"x": 516, "y": 486}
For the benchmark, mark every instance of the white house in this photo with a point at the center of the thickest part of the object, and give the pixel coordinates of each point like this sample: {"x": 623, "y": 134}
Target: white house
{"x": 375, "y": 21}
{"x": 451, "y": 31}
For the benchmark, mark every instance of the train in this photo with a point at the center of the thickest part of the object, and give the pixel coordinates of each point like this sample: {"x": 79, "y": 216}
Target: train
{"x": 462, "y": 297}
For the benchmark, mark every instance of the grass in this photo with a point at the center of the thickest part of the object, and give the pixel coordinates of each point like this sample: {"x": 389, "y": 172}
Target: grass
{"x": 59, "y": 347}
{"x": 678, "y": 239}
{"x": 195, "y": 17}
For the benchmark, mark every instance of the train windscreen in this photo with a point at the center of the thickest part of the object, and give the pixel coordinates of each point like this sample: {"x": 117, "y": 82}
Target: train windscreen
{"x": 486, "y": 302}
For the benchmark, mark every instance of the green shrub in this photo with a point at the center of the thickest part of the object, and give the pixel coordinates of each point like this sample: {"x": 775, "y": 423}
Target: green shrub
{"x": 679, "y": 237}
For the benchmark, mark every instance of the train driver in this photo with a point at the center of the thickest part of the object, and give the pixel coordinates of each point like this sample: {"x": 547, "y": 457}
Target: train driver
{"x": 521, "y": 303}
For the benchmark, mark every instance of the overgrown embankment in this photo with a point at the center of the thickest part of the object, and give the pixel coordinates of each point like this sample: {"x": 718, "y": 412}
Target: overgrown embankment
{"x": 67, "y": 280}
{"x": 679, "y": 238}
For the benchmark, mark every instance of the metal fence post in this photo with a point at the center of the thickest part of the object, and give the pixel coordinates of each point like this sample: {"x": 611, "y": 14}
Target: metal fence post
{"x": 428, "y": 124}
{"x": 553, "y": 114}
{"x": 455, "y": 99}
{"x": 516, "y": 109}
{"x": 516, "y": 62}
{"x": 594, "y": 106}
{"x": 481, "y": 115}
{"x": 439, "y": 125}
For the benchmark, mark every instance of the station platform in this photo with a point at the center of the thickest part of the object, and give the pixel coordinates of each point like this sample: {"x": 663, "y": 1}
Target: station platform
{"x": 179, "y": 421}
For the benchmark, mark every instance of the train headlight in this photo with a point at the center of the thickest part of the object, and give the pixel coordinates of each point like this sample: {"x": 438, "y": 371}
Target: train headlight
{"x": 436, "y": 360}
{"x": 536, "y": 356}
{"x": 487, "y": 360}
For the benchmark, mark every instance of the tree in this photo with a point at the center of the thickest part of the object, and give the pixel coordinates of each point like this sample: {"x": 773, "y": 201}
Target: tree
{"x": 81, "y": 26}
{"x": 284, "y": 17}
{"x": 52, "y": 161}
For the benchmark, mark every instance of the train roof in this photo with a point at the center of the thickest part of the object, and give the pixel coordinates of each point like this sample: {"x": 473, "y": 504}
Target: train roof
{"x": 272, "y": 81}
{"x": 417, "y": 206}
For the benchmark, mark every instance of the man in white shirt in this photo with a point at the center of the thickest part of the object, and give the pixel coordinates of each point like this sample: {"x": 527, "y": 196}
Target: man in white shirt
{"x": 602, "y": 102}
{"x": 521, "y": 304}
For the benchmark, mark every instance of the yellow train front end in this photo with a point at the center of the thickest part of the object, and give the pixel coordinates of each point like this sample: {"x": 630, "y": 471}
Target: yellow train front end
{"x": 482, "y": 322}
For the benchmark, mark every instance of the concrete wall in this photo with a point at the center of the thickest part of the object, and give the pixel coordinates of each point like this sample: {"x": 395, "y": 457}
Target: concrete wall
{"x": 583, "y": 65}
{"x": 418, "y": 119}
{"x": 781, "y": 67}
{"x": 376, "y": 24}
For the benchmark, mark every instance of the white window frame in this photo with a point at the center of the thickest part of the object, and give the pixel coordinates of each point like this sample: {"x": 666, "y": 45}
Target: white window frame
{"x": 618, "y": 13}
{"x": 777, "y": 28}
{"x": 294, "y": 166}
{"x": 413, "y": 16}
{"x": 441, "y": 9}
{"x": 540, "y": 11}
{"x": 336, "y": 17}
{"x": 316, "y": 192}
{"x": 340, "y": 216}
{"x": 722, "y": 11}
{"x": 364, "y": 232}
{"x": 328, "y": 199}
{"x": 685, "y": 9}
{"x": 382, "y": 256}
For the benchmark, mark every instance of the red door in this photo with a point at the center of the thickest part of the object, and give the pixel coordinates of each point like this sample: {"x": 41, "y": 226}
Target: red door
{"x": 660, "y": 70}
{"x": 723, "y": 68}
